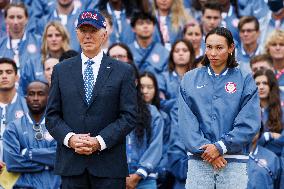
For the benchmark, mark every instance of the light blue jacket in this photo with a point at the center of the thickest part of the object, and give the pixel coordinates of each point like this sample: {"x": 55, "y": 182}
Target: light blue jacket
{"x": 263, "y": 169}
{"x": 222, "y": 110}
{"x": 33, "y": 158}
{"x": 156, "y": 62}
{"x": 143, "y": 158}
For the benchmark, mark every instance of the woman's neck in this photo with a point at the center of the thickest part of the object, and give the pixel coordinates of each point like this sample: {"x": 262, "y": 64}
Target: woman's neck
{"x": 55, "y": 54}
{"x": 263, "y": 103}
{"x": 278, "y": 64}
{"x": 163, "y": 12}
{"x": 181, "y": 70}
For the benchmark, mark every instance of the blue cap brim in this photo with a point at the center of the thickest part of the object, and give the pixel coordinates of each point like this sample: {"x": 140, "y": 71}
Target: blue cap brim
{"x": 90, "y": 24}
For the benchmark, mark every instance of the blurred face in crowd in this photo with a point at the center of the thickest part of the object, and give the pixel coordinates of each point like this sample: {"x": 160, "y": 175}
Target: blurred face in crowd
{"x": 119, "y": 53}
{"x": 3, "y": 3}
{"x": 54, "y": 39}
{"x": 65, "y": 3}
{"x": 16, "y": 21}
{"x": 249, "y": 34}
{"x": 91, "y": 39}
{"x": 37, "y": 94}
{"x": 48, "y": 68}
{"x": 147, "y": 89}
{"x": 263, "y": 87}
{"x": 260, "y": 65}
{"x": 144, "y": 29}
{"x": 181, "y": 54}
{"x": 8, "y": 77}
{"x": 210, "y": 19}
{"x": 217, "y": 51}
{"x": 164, "y": 5}
{"x": 276, "y": 50}
{"x": 194, "y": 35}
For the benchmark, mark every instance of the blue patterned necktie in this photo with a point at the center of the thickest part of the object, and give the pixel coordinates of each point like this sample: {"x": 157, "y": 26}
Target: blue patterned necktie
{"x": 89, "y": 80}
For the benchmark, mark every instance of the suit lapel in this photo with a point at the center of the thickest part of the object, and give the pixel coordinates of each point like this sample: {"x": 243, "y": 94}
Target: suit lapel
{"x": 104, "y": 71}
{"x": 76, "y": 69}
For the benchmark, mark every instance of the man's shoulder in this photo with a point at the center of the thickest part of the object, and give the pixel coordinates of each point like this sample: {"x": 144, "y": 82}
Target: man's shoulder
{"x": 69, "y": 61}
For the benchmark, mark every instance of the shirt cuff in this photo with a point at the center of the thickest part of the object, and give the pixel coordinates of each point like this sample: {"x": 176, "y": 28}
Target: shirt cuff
{"x": 142, "y": 173}
{"x": 66, "y": 139}
{"x": 102, "y": 142}
{"x": 266, "y": 136}
{"x": 221, "y": 147}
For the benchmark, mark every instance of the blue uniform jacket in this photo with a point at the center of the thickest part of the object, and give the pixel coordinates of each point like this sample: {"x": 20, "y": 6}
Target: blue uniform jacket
{"x": 143, "y": 158}
{"x": 33, "y": 158}
{"x": 156, "y": 62}
{"x": 123, "y": 35}
{"x": 29, "y": 48}
{"x": 178, "y": 163}
{"x": 8, "y": 113}
{"x": 169, "y": 83}
{"x": 244, "y": 59}
{"x": 263, "y": 169}
{"x": 30, "y": 72}
{"x": 267, "y": 141}
{"x": 173, "y": 35}
{"x": 222, "y": 110}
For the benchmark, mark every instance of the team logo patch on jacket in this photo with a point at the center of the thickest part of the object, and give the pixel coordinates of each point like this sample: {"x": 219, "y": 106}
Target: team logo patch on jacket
{"x": 19, "y": 114}
{"x": 231, "y": 87}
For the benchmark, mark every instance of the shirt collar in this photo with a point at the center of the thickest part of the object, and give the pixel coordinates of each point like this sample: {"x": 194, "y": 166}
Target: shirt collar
{"x": 97, "y": 59}
{"x": 224, "y": 72}
{"x": 31, "y": 121}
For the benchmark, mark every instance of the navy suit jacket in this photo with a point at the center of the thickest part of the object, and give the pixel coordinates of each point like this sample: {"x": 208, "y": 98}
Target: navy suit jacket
{"x": 111, "y": 114}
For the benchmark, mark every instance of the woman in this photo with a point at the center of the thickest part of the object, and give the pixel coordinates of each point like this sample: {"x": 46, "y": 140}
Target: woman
{"x": 274, "y": 47}
{"x": 272, "y": 117}
{"x": 48, "y": 68}
{"x": 121, "y": 52}
{"x": 171, "y": 17}
{"x": 218, "y": 116}
{"x": 150, "y": 94}
{"x": 144, "y": 145}
{"x": 55, "y": 41}
{"x": 193, "y": 33}
{"x": 181, "y": 60}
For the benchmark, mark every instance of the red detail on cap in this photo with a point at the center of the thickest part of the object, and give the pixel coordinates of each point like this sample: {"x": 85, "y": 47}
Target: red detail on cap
{"x": 89, "y": 15}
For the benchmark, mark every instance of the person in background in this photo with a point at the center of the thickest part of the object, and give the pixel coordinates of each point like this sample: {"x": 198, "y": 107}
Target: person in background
{"x": 272, "y": 119}
{"x": 193, "y": 33}
{"x": 28, "y": 147}
{"x": 121, "y": 52}
{"x": 148, "y": 55}
{"x": 211, "y": 16}
{"x": 55, "y": 41}
{"x": 248, "y": 47}
{"x": 144, "y": 144}
{"x": 274, "y": 47}
{"x": 150, "y": 93}
{"x": 264, "y": 167}
{"x": 48, "y": 68}
{"x": 171, "y": 17}
{"x": 20, "y": 45}
{"x": 68, "y": 54}
{"x": 181, "y": 60}
{"x": 109, "y": 29}
{"x": 121, "y": 12}
{"x": 262, "y": 61}
{"x": 12, "y": 104}
{"x": 220, "y": 118}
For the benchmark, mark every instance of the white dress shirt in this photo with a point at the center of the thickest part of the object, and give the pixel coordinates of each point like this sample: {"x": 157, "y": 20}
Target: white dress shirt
{"x": 96, "y": 66}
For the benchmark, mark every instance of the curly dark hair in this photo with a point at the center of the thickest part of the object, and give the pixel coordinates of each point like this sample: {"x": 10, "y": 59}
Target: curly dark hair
{"x": 274, "y": 122}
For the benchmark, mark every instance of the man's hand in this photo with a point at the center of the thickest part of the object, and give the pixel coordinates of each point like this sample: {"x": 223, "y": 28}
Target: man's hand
{"x": 210, "y": 152}
{"x": 219, "y": 163}
{"x": 132, "y": 181}
{"x": 84, "y": 144}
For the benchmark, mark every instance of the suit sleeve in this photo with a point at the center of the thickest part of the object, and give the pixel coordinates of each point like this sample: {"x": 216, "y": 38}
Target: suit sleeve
{"x": 116, "y": 132}
{"x": 55, "y": 125}
{"x": 15, "y": 161}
